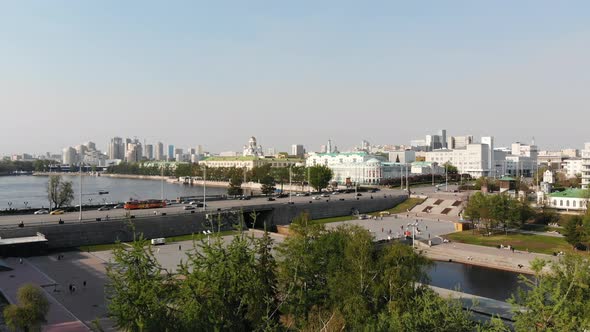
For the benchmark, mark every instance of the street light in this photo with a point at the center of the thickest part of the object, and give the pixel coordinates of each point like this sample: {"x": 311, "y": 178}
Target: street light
{"x": 10, "y": 205}
{"x": 414, "y": 226}
{"x": 26, "y": 205}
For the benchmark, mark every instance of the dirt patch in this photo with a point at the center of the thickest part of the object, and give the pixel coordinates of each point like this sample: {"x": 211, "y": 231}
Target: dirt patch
{"x": 439, "y": 201}
{"x": 457, "y": 203}
{"x": 446, "y": 211}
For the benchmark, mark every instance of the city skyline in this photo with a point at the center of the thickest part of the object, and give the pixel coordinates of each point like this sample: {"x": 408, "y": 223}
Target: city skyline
{"x": 292, "y": 73}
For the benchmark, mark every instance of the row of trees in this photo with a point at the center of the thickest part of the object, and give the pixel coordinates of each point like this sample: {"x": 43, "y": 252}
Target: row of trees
{"x": 40, "y": 165}
{"x": 317, "y": 280}
{"x": 495, "y": 211}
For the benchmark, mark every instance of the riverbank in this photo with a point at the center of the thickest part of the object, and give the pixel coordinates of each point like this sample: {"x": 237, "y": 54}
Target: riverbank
{"x": 254, "y": 186}
{"x": 502, "y": 259}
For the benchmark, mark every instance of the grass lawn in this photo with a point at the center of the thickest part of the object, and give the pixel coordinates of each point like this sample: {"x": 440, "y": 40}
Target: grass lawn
{"x": 534, "y": 243}
{"x": 188, "y": 237}
{"x": 400, "y": 208}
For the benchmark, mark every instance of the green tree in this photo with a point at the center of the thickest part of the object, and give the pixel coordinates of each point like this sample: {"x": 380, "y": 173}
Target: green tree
{"x": 556, "y": 300}
{"x": 320, "y": 176}
{"x": 451, "y": 169}
{"x": 140, "y": 291}
{"x": 268, "y": 185}
{"x": 59, "y": 192}
{"x": 574, "y": 231}
{"x": 235, "y": 185}
{"x": 30, "y": 313}
{"x": 280, "y": 175}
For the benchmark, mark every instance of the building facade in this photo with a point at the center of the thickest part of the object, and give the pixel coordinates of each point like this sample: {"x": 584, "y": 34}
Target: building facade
{"x": 569, "y": 199}
{"x": 586, "y": 166}
{"x": 473, "y": 160}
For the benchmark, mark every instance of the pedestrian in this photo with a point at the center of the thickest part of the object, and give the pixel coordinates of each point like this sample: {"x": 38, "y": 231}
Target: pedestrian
{"x": 71, "y": 288}
{"x": 381, "y": 229}
{"x": 20, "y": 260}
{"x": 426, "y": 227}
{"x": 84, "y": 283}
{"x": 179, "y": 247}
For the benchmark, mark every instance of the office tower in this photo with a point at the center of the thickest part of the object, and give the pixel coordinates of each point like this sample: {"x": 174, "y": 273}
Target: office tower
{"x": 159, "y": 151}
{"x": 149, "y": 151}
{"x": 171, "y": 152}
{"x": 116, "y": 148}
{"x": 69, "y": 156}
{"x": 297, "y": 150}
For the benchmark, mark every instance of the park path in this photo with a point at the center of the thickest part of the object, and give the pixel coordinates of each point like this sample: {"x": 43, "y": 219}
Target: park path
{"x": 59, "y": 318}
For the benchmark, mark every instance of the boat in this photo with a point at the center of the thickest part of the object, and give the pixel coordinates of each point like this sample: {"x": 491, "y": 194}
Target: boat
{"x": 146, "y": 204}
{"x": 102, "y": 192}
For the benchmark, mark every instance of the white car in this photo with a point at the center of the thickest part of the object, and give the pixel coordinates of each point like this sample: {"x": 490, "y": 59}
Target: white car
{"x": 42, "y": 211}
{"x": 316, "y": 198}
{"x": 335, "y": 193}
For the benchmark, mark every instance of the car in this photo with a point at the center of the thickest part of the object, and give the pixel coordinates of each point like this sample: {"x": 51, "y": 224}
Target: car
{"x": 270, "y": 199}
{"x": 42, "y": 211}
{"x": 54, "y": 212}
{"x": 325, "y": 195}
{"x": 306, "y": 194}
{"x": 245, "y": 198}
{"x": 359, "y": 194}
{"x": 373, "y": 190}
{"x": 282, "y": 195}
{"x": 119, "y": 206}
{"x": 104, "y": 208}
{"x": 335, "y": 193}
{"x": 316, "y": 198}
{"x": 188, "y": 207}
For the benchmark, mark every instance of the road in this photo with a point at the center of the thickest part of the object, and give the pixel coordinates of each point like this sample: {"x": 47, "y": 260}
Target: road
{"x": 12, "y": 221}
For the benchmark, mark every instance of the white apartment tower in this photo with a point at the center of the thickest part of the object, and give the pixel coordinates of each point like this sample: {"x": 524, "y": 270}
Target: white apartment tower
{"x": 116, "y": 148}
{"x": 586, "y": 166}
{"x": 159, "y": 155}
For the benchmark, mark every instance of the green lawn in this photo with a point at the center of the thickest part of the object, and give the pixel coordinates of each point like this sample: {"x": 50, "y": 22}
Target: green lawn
{"x": 400, "y": 208}
{"x": 188, "y": 237}
{"x": 534, "y": 243}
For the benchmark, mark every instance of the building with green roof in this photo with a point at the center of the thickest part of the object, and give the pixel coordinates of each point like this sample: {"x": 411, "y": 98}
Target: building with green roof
{"x": 569, "y": 199}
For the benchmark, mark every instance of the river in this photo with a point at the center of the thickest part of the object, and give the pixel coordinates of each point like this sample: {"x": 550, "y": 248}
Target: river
{"x": 33, "y": 190}
{"x": 481, "y": 281}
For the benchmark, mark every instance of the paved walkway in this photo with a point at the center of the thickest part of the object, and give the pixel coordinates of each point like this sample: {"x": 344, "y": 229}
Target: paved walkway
{"x": 380, "y": 228}
{"x": 59, "y": 318}
{"x": 517, "y": 261}
{"x": 87, "y": 302}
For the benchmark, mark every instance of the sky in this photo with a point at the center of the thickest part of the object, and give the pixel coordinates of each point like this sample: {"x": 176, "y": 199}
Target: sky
{"x": 292, "y": 72}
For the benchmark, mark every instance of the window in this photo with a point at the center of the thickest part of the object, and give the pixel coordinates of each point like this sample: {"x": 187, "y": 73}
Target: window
{"x": 561, "y": 202}
{"x": 574, "y": 203}
{"x": 567, "y": 203}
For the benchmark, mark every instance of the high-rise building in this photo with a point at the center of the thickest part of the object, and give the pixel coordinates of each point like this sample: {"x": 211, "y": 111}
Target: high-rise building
{"x": 461, "y": 142}
{"x": 586, "y": 166}
{"x": 200, "y": 150}
{"x": 323, "y": 149}
{"x": 171, "y": 155}
{"x": 191, "y": 151}
{"x": 329, "y": 148}
{"x": 149, "y": 151}
{"x": 116, "y": 148}
{"x": 134, "y": 153}
{"x": 91, "y": 146}
{"x": 69, "y": 156}
{"x": 297, "y": 150}
{"x": 159, "y": 151}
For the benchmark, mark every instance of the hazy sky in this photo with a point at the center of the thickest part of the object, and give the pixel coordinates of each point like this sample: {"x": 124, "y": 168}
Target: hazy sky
{"x": 216, "y": 72}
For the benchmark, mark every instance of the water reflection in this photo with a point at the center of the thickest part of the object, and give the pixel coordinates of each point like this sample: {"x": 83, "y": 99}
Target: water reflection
{"x": 482, "y": 281}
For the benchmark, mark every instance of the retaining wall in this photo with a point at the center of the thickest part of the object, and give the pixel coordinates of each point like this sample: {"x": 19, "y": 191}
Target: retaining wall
{"x": 75, "y": 234}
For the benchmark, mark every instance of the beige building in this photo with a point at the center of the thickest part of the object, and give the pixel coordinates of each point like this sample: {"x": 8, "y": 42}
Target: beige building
{"x": 250, "y": 162}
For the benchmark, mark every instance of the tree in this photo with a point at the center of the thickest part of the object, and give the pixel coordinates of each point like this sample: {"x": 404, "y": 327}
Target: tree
{"x": 556, "y": 300}
{"x": 59, "y": 192}
{"x": 29, "y": 314}
{"x": 280, "y": 175}
{"x": 140, "y": 291}
{"x": 320, "y": 176}
{"x": 235, "y": 185}
{"x": 574, "y": 231}
{"x": 450, "y": 168}
{"x": 268, "y": 185}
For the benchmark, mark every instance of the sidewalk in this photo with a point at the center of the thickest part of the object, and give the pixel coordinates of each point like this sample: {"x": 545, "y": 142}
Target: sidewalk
{"x": 75, "y": 268}
{"x": 517, "y": 261}
{"x": 59, "y": 317}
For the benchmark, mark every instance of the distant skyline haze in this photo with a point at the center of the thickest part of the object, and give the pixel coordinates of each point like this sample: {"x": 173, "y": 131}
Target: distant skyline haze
{"x": 214, "y": 74}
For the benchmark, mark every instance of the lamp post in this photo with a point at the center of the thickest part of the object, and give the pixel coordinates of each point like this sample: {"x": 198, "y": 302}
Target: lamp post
{"x": 414, "y": 226}
{"x": 26, "y": 205}
{"x": 9, "y": 205}
{"x": 204, "y": 186}
{"x": 290, "y": 184}
{"x": 80, "y": 216}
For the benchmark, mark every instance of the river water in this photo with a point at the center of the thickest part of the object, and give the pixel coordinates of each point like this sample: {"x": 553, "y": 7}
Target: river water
{"x": 481, "y": 281}
{"x": 33, "y": 190}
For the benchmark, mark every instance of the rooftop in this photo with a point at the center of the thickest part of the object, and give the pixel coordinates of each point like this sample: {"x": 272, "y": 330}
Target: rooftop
{"x": 572, "y": 193}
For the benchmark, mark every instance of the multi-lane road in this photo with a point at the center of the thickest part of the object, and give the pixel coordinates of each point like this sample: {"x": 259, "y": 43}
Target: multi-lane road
{"x": 30, "y": 219}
